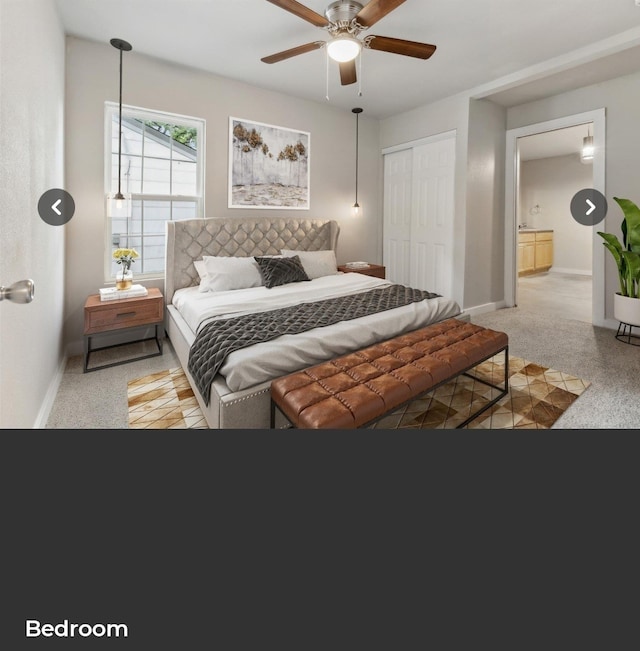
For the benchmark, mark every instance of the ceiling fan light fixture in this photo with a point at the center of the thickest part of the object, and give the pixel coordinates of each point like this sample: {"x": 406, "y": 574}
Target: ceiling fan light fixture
{"x": 344, "y": 48}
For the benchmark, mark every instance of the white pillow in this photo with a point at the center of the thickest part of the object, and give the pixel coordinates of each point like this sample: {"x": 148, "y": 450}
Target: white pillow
{"x": 315, "y": 263}
{"x": 224, "y": 273}
{"x": 200, "y": 268}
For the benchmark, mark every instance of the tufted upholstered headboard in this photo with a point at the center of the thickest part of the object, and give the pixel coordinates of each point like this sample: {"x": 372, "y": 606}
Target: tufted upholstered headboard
{"x": 190, "y": 239}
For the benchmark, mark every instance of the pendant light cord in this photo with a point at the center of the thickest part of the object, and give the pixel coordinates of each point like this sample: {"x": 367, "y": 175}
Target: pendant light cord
{"x": 123, "y": 46}
{"x": 120, "y": 128}
{"x": 357, "y": 111}
{"x": 357, "y": 131}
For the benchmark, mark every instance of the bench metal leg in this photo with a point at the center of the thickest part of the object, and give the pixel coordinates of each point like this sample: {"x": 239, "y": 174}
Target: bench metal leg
{"x": 274, "y": 409}
{"x": 504, "y": 390}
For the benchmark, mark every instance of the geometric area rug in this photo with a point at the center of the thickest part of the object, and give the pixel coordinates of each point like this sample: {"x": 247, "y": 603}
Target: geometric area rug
{"x": 163, "y": 400}
{"x": 537, "y": 397}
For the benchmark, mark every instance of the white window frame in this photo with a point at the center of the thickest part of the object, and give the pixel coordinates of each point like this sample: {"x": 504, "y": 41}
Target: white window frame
{"x": 136, "y": 112}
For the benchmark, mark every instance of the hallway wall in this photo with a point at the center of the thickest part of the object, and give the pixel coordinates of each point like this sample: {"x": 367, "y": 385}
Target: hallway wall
{"x": 550, "y": 184}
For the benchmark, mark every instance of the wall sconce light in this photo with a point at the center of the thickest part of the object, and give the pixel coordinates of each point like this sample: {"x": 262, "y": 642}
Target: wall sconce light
{"x": 586, "y": 155}
{"x": 119, "y": 204}
{"x": 355, "y": 210}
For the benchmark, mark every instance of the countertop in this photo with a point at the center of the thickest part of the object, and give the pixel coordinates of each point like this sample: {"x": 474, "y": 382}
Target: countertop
{"x": 535, "y": 230}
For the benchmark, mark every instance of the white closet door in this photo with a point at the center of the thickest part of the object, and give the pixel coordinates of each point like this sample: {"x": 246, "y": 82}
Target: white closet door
{"x": 396, "y": 253}
{"x": 418, "y": 215}
{"x": 432, "y": 217}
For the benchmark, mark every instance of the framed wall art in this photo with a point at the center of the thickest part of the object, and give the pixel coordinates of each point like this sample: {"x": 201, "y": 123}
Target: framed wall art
{"x": 268, "y": 166}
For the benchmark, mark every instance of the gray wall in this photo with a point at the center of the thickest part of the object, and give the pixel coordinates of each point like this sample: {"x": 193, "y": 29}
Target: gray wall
{"x": 31, "y": 162}
{"x": 484, "y": 253}
{"x": 92, "y": 73}
{"x": 550, "y": 183}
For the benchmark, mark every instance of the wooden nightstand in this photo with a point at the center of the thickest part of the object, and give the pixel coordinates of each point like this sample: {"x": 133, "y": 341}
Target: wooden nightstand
{"x": 376, "y": 270}
{"x": 102, "y": 317}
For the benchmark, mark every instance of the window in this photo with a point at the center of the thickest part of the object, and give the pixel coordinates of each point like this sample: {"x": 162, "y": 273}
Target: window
{"x": 162, "y": 168}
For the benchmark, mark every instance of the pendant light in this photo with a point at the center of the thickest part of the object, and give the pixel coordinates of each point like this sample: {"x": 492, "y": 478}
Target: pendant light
{"x": 355, "y": 210}
{"x": 119, "y": 204}
{"x": 586, "y": 155}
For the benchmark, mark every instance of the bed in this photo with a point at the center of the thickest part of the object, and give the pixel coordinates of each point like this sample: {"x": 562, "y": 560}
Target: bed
{"x": 335, "y": 313}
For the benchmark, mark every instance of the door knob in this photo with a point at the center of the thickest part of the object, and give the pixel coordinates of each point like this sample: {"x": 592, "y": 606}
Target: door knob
{"x": 20, "y": 292}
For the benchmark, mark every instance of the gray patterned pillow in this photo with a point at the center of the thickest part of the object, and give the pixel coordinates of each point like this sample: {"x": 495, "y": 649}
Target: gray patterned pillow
{"x": 280, "y": 271}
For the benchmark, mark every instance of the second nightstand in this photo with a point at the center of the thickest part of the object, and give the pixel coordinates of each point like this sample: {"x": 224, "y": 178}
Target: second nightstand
{"x": 376, "y": 270}
{"x": 103, "y": 317}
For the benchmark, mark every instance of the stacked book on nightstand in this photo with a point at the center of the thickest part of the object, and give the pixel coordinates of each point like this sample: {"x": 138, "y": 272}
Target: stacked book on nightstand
{"x": 111, "y": 293}
{"x": 360, "y": 264}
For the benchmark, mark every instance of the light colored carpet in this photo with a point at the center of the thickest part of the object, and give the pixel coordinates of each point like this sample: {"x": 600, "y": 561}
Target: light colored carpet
{"x": 538, "y": 396}
{"x": 99, "y": 399}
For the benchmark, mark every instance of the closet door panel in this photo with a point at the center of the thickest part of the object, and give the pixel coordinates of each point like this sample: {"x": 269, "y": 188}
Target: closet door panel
{"x": 432, "y": 216}
{"x": 397, "y": 215}
{"x": 418, "y": 215}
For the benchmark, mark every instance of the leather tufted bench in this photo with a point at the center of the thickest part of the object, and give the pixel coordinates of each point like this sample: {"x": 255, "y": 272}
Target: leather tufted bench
{"x": 359, "y": 388}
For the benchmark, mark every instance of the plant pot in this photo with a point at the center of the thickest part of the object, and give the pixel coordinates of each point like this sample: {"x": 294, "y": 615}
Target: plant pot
{"x": 124, "y": 281}
{"x": 626, "y": 309}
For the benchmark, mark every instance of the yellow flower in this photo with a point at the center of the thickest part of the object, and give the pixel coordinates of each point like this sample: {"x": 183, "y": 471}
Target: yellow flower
{"x": 126, "y": 254}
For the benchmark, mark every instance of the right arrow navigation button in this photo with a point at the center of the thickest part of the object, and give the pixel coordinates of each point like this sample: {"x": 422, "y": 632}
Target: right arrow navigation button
{"x": 588, "y": 207}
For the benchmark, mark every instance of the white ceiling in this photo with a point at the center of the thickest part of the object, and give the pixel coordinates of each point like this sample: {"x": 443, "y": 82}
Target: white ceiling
{"x": 489, "y": 45}
{"x": 559, "y": 142}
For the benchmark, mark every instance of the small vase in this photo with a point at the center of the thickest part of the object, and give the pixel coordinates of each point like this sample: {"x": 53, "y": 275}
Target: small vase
{"x": 124, "y": 280}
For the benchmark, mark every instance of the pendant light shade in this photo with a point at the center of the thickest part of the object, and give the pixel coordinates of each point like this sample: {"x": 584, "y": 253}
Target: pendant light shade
{"x": 586, "y": 154}
{"x": 355, "y": 210}
{"x": 118, "y": 203}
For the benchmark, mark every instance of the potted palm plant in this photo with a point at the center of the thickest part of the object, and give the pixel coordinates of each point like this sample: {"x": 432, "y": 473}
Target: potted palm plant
{"x": 626, "y": 305}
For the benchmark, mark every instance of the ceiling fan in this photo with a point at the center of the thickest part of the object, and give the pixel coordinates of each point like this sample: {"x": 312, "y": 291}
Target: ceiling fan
{"x": 345, "y": 20}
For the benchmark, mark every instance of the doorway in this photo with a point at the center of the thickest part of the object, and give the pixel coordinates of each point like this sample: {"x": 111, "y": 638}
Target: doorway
{"x": 554, "y": 250}
{"x": 514, "y": 216}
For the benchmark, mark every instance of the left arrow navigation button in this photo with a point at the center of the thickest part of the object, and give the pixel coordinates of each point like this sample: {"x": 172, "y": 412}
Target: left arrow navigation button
{"x": 56, "y": 207}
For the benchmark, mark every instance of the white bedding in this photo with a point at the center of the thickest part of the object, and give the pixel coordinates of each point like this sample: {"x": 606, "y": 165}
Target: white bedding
{"x": 249, "y": 366}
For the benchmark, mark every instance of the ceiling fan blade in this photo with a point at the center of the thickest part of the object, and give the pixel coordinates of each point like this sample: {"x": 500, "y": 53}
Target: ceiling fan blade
{"x": 302, "y": 12}
{"x": 348, "y": 72}
{"x": 374, "y": 10}
{"x": 294, "y": 51}
{"x": 399, "y": 46}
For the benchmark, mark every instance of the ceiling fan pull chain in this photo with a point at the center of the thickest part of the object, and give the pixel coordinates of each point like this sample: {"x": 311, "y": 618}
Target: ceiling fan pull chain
{"x": 360, "y": 74}
{"x": 327, "y": 68}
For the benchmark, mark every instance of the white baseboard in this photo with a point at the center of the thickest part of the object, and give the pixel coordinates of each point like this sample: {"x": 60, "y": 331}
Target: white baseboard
{"x": 49, "y": 399}
{"x": 482, "y": 309}
{"x": 564, "y": 270}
